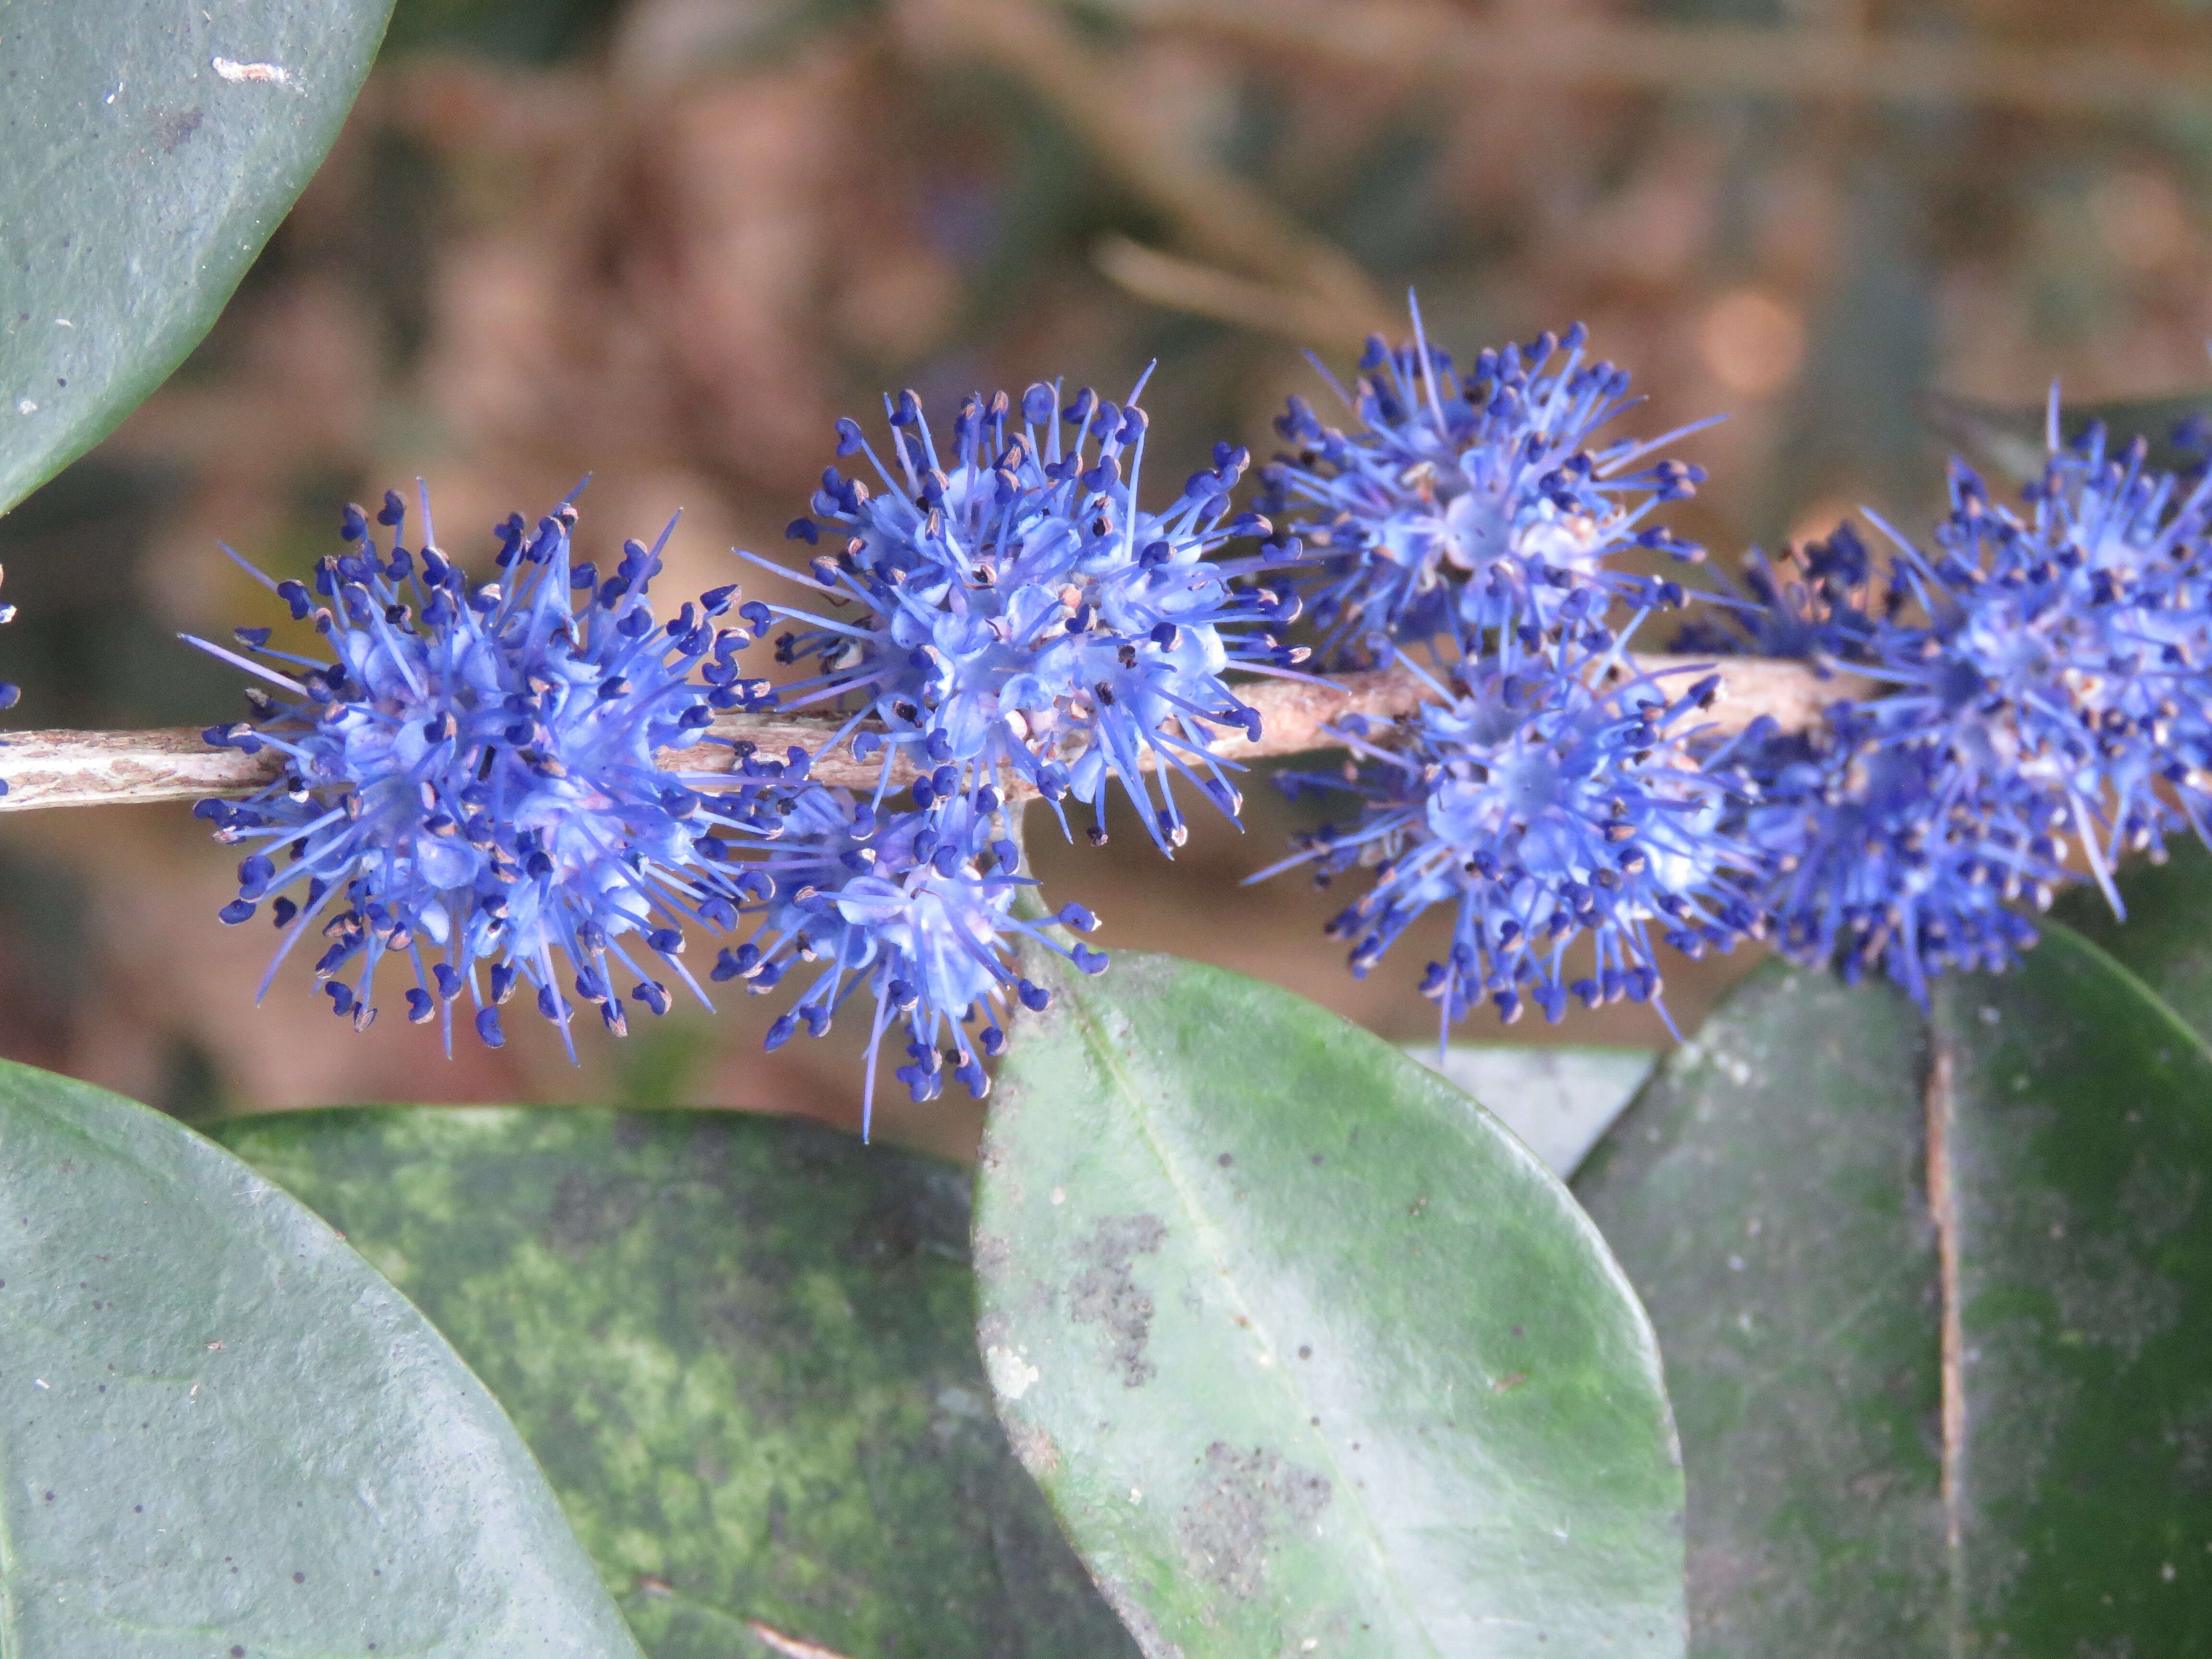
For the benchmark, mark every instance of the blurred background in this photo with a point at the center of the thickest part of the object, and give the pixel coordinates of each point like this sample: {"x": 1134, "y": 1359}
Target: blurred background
{"x": 667, "y": 242}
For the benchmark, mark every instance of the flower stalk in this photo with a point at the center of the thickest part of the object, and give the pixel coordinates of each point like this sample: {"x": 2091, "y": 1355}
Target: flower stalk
{"x": 53, "y": 769}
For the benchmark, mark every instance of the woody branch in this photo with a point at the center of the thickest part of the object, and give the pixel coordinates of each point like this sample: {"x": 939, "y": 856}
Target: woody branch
{"x": 172, "y": 763}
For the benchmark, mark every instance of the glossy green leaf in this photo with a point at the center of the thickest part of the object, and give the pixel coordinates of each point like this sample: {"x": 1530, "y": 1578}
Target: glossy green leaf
{"x": 2011, "y": 441}
{"x": 1982, "y": 1425}
{"x": 2166, "y": 939}
{"x": 1310, "y": 1356}
{"x": 1763, "y": 1194}
{"x": 744, "y": 1350}
{"x": 1559, "y": 1100}
{"x": 2077, "y": 1114}
{"x": 224, "y": 1433}
{"x": 147, "y": 148}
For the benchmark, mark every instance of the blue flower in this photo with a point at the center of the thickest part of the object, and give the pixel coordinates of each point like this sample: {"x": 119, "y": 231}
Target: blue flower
{"x": 469, "y": 782}
{"x": 2040, "y": 677}
{"x": 1471, "y": 504}
{"x": 1817, "y": 602}
{"x": 2062, "y": 654}
{"x": 1007, "y": 608}
{"x": 1541, "y": 805}
{"x": 917, "y": 905}
{"x": 1886, "y": 857}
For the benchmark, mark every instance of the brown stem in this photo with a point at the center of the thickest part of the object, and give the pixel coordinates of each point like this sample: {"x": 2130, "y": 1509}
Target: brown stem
{"x": 106, "y": 768}
{"x": 1179, "y": 284}
{"x": 791, "y": 1647}
{"x": 1943, "y": 1207}
{"x": 1447, "y": 45}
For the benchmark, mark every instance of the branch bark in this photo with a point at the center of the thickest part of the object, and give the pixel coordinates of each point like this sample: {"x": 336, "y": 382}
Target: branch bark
{"x": 113, "y": 768}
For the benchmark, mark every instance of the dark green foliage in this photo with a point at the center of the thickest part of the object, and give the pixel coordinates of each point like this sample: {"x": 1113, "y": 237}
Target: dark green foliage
{"x": 2166, "y": 939}
{"x": 743, "y": 1349}
{"x": 1980, "y": 1423}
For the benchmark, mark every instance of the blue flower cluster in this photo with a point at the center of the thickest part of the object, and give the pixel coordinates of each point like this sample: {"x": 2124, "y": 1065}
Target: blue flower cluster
{"x": 1551, "y": 794}
{"x": 469, "y": 778}
{"x": 1000, "y": 615}
{"x": 1469, "y": 507}
{"x": 919, "y": 905}
{"x": 1021, "y": 618}
{"x": 1540, "y": 805}
{"x": 1817, "y": 603}
{"x": 1879, "y": 857}
{"x": 2032, "y": 688}
{"x": 2039, "y": 690}
{"x": 478, "y": 779}
{"x": 494, "y": 781}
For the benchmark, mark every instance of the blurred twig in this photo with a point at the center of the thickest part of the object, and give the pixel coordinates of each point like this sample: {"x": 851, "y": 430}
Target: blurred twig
{"x": 791, "y": 1647}
{"x": 1216, "y": 215}
{"x": 1429, "y": 42}
{"x": 90, "y": 768}
{"x": 1186, "y": 285}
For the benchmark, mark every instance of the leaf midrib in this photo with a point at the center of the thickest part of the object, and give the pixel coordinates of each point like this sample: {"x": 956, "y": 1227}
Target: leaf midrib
{"x": 1095, "y": 1038}
{"x": 1935, "y": 1175}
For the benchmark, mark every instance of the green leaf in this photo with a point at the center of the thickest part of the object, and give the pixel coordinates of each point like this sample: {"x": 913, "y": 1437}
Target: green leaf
{"x": 743, "y": 1349}
{"x": 2166, "y": 939}
{"x": 147, "y": 148}
{"x": 1978, "y": 1425}
{"x": 1761, "y": 1194}
{"x": 1310, "y": 1356}
{"x": 225, "y": 1433}
{"x": 2076, "y": 1112}
{"x": 1559, "y": 1100}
